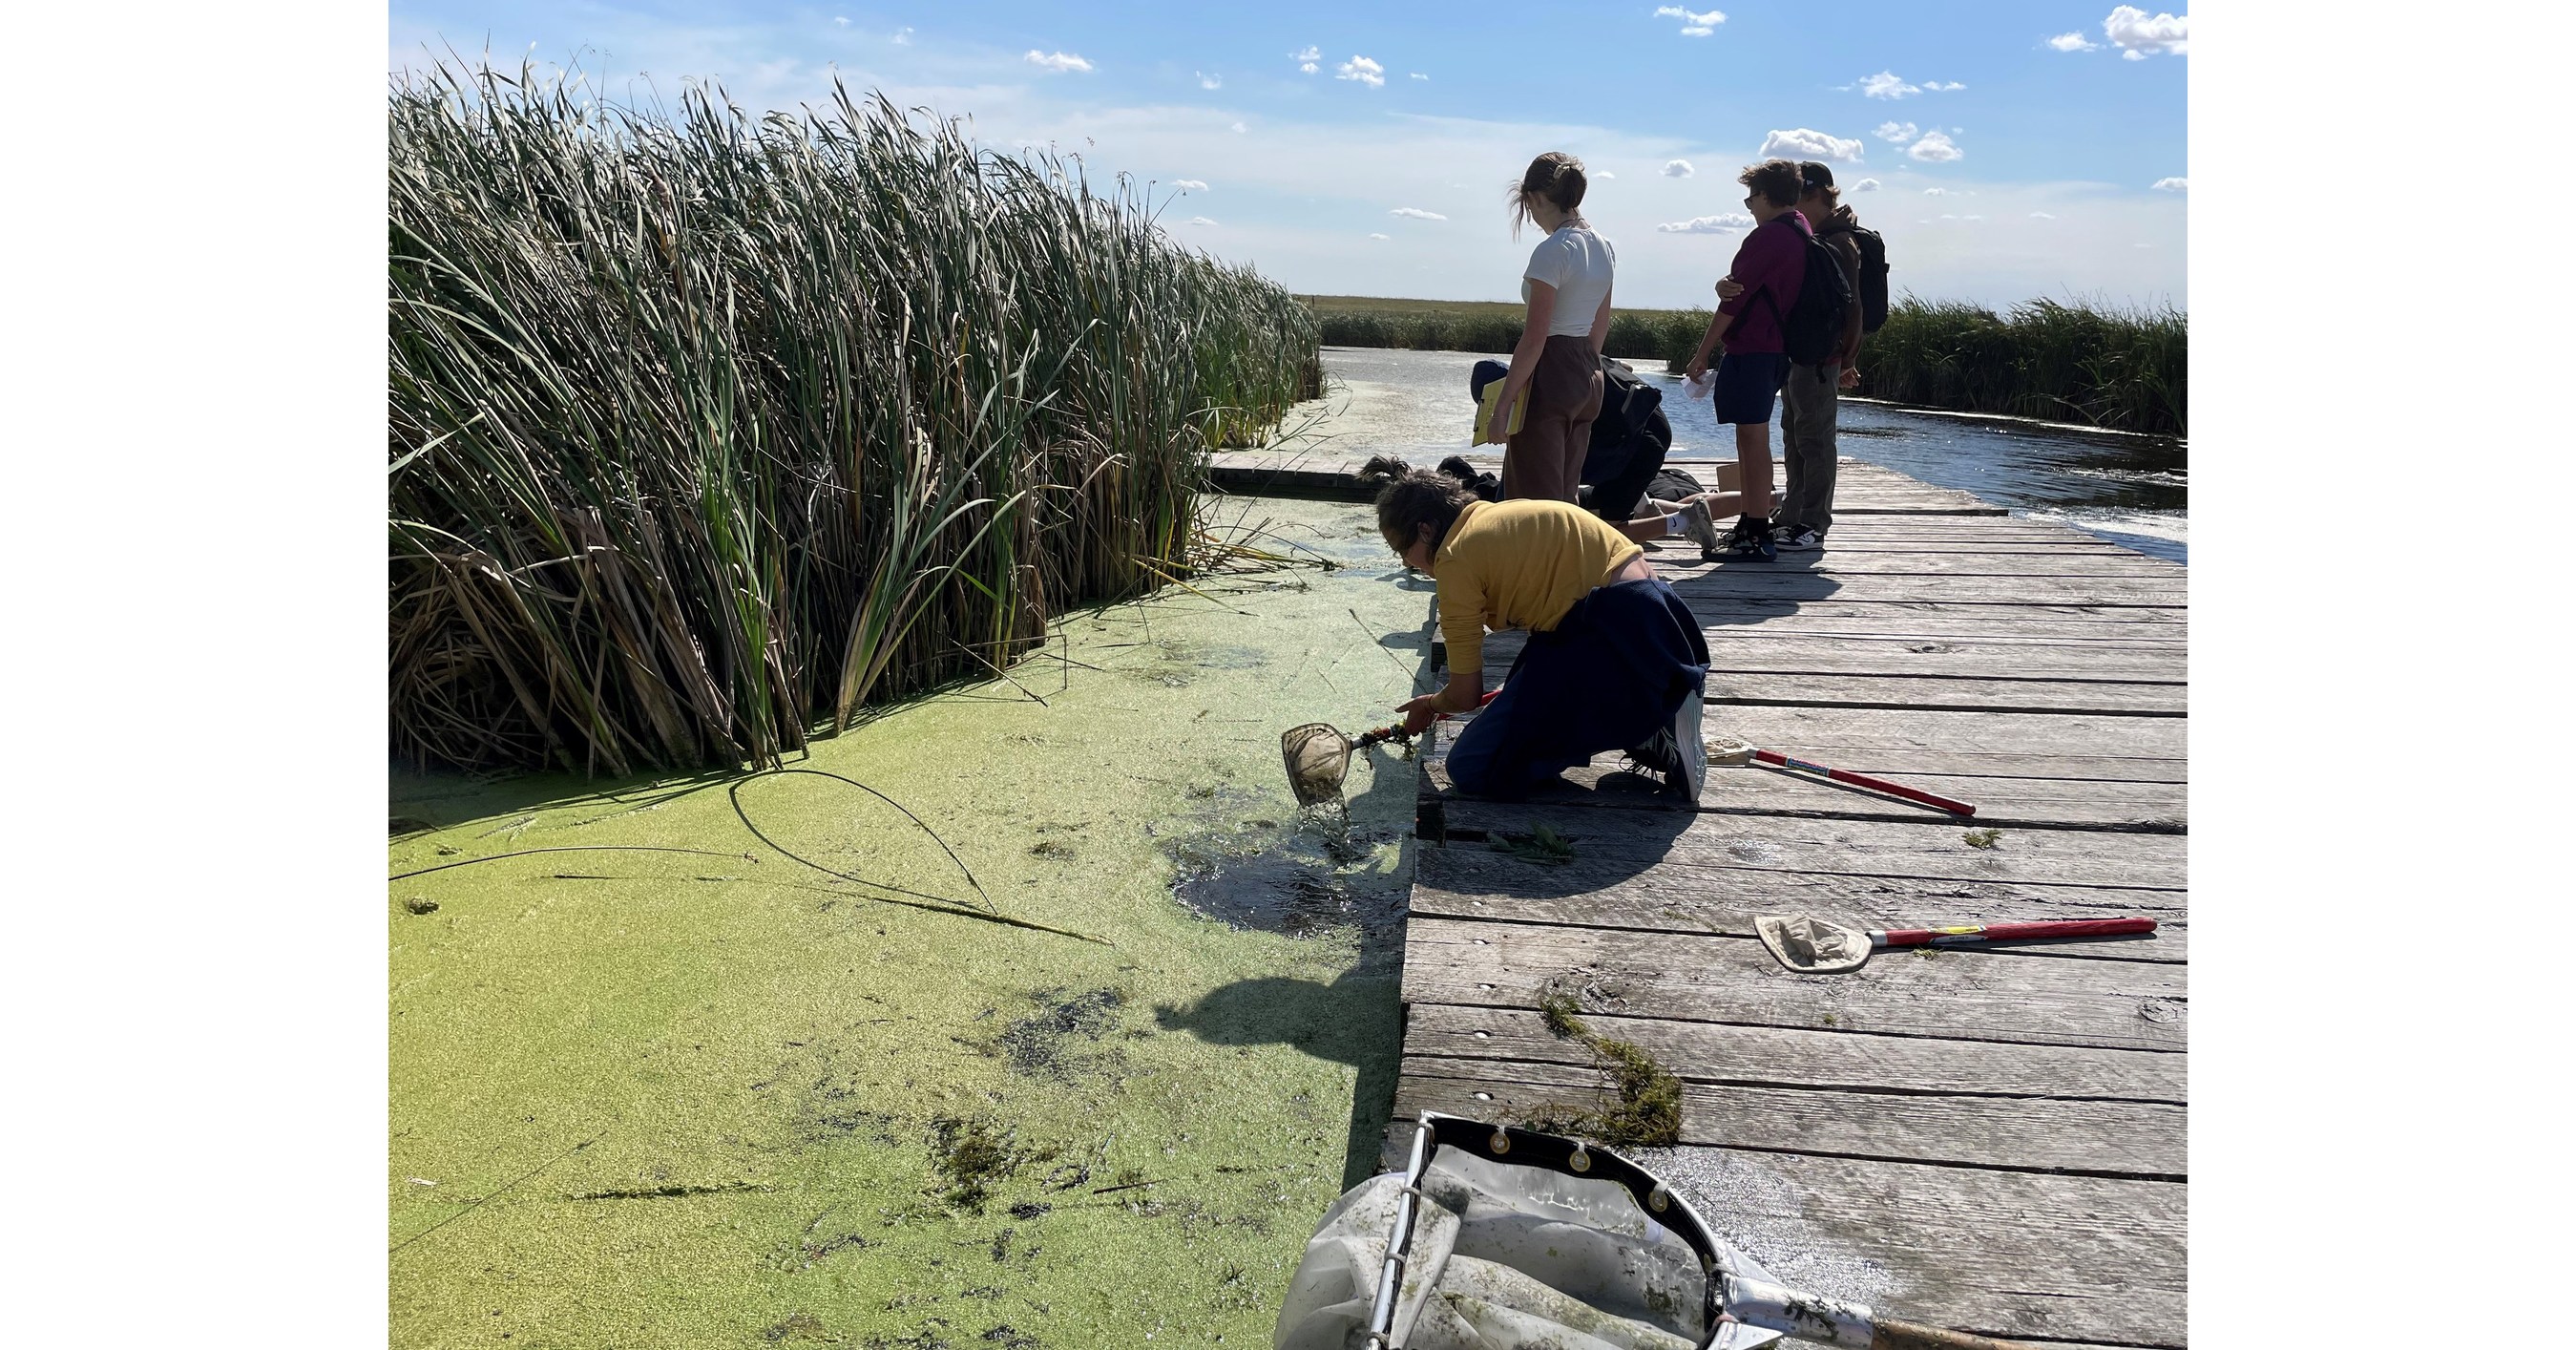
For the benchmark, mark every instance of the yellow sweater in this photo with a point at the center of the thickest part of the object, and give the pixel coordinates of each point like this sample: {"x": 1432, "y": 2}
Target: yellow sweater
{"x": 1519, "y": 564}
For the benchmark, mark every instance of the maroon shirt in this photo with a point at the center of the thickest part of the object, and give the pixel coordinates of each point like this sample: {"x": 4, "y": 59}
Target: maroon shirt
{"x": 1773, "y": 259}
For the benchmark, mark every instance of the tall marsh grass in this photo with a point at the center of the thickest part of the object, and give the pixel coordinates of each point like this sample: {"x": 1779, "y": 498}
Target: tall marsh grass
{"x": 1429, "y": 325}
{"x": 705, "y": 429}
{"x": 2120, "y": 368}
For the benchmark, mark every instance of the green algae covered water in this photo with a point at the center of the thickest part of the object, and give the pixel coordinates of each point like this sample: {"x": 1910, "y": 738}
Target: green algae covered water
{"x": 787, "y": 1088}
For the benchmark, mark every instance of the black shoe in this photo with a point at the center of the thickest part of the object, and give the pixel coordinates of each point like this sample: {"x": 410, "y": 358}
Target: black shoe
{"x": 1752, "y": 538}
{"x": 1659, "y": 755}
{"x": 1663, "y": 753}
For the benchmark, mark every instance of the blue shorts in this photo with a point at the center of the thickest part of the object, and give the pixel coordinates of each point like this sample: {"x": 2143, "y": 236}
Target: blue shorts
{"x": 1747, "y": 383}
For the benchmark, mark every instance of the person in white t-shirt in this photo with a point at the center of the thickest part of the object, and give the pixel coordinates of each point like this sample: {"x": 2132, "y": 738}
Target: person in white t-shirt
{"x": 1557, "y": 365}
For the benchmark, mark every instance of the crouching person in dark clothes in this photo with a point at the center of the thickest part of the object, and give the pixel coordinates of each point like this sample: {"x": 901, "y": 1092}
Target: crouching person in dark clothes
{"x": 1614, "y": 659}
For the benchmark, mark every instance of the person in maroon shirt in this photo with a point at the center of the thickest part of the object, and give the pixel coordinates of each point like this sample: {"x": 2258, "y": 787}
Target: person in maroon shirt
{"x": 1755, "y": 297}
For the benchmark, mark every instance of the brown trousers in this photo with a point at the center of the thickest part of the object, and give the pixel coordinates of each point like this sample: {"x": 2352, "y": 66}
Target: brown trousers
{"x": 1544, "y": 459}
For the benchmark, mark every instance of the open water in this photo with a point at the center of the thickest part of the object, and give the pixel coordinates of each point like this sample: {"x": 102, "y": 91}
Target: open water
{"x": 2129, "y": 489}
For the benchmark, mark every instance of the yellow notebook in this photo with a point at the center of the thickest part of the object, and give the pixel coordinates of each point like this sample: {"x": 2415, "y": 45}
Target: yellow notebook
{"x": 1485, "y": 411}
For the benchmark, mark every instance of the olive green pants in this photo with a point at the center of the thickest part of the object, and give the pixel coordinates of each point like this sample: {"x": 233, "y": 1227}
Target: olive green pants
{"x": 1809, "y": 402}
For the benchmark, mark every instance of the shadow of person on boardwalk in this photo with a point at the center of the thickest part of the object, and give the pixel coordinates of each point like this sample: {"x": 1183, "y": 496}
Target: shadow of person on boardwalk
{"x": 1747, "y": 592}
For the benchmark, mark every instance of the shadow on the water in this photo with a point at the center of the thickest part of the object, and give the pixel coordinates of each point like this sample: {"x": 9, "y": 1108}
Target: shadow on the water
{"x": 420, "y": 801}
{"x": 1354, "y": 1020}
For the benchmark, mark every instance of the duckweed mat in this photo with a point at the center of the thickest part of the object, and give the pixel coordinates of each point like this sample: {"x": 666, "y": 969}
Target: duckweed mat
{"x": 744, "y": 1060}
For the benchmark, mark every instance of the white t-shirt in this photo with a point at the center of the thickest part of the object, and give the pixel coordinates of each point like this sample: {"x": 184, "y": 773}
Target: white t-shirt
{"x": 1577, "y": 263}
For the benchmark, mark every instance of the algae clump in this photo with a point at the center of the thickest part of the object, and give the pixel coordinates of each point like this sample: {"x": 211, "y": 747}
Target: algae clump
{"x": 1646, "y": 1110}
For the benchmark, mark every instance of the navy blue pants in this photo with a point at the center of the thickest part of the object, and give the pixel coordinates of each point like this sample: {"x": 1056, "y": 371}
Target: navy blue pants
{"x": 1607, "y": 677}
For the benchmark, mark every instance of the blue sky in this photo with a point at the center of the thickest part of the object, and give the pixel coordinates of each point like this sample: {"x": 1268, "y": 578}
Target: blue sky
{"x": 2016, "y": 149}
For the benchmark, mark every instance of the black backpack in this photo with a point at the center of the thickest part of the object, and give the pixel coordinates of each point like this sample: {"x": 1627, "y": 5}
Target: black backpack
{"x": 1812, "y": 331}
{"x": 1873, "y": 276}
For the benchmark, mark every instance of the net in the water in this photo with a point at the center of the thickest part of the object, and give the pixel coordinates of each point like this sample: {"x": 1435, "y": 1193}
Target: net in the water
{"x": 1318, "y": 758}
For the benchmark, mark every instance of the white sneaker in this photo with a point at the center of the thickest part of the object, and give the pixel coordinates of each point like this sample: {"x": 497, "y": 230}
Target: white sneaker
{"x": 1699, "y": 527}
{"x": 1787, "y": 538}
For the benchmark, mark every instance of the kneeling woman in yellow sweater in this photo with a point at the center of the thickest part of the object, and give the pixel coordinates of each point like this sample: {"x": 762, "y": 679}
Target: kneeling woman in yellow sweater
{"x": 1614, "y": 660}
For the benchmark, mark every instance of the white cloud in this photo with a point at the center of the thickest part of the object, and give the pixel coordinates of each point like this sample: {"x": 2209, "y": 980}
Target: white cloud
{"x": 1952, "y": 87}
{"x": 1899, "y": 132}
{"x": 1885, "y": 84}
{"x": 1378, "y": 236}
{"x": 2041, "y": 215}
{"x": 1416, "y": 213}
{"x": 840, "y": 22}
{"x": 1201, "y": 220}
{"x": 1306, "y": 154}
{"x": 1420, "y": 76}
{"x": 1803, "y": 143}
{"x": 1237, "y": 128}
{"x": 2073, "y": 42}
{"x": 2173, "y": 185}
{"x": 1693, "y": 25}
{"x": 1207, "y": 81}
{"x": 1935, "y": 148}
{"x": 1056, "y": 61}
{"x": 903, "y": 37}
{"x": 1310, "y": 68}
{"x": 1364, "y": 70}
{"x": 1972, "y": 217}
{"x": 2138, "y": 35}
{"x": 1727, "y": 223}
{"x": 1605, "y": 175}
{"x": 1866, "y": 185}
{"x": 1677, "y": 168}
{"x": 1936, "y": 192}
{"x": 1310, "y": 54}
{"x": 1189, "y": 185}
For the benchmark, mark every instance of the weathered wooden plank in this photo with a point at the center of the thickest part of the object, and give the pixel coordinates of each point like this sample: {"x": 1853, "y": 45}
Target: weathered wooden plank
{"x": 1898, "y": 742}
{"x": 1465, "y": 882}
{"x": 1935, "y": 693}
{"x": 1790, "y": 1057}
{"x": 1961, "y": 994}
{"x": 1608, "y": 850}
{"x": 1965, "y": 560}
{"x": 1942, "y": 660}
{"x": 1866, "y": 545}
{"x": 1914, "y": 618}
{"x": 2001, "y": 1253}
{"x": 1754, "y": 649}
{"x": 2138, "y": 1139}
{"x": 1770, "y": 581}
{"x": 2002, "y": 803}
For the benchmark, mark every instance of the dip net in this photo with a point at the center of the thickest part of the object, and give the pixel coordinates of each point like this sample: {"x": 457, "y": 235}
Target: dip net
{"x": 1318, "y": 758}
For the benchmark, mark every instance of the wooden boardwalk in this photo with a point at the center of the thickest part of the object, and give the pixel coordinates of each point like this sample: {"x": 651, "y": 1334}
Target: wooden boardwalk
{"x": 1987, "y": 1139}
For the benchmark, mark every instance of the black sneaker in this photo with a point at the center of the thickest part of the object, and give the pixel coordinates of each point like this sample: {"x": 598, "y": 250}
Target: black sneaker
{"x": 1660, "y": 755}
{"x": 1752, "y": 538}
{"x": 1669, "y": 752}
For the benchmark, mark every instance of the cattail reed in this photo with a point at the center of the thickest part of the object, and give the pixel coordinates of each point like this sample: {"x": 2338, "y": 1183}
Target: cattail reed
{"x": 707, "y": 431}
